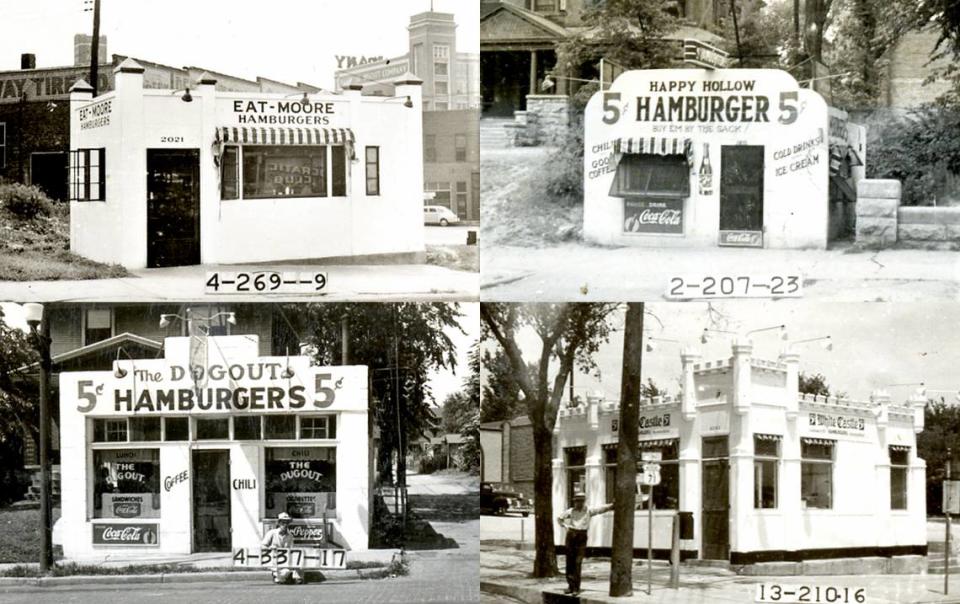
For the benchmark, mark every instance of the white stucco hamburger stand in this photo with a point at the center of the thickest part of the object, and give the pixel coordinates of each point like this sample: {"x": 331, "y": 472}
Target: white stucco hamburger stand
{"x": 811, "y": 484}
{"x": 233, "y": 177}
{"x": 199, "y": 451}
{"x": 701, "y": 158}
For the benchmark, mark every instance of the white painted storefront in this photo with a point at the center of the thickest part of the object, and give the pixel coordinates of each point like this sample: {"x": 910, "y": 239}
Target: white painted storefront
{"x": 202, "y": 449}
{"x": 243, "y": 177}
{"x": 768, "y": 474}
{"x": 695, "y": 157}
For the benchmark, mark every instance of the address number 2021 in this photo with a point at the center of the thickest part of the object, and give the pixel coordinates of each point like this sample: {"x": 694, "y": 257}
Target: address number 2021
{"x": 736, "y": 286}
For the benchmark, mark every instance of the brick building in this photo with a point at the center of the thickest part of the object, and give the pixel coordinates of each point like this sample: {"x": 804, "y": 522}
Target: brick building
{"x": 451, "y": 160}
{"x": 508, "y": 454}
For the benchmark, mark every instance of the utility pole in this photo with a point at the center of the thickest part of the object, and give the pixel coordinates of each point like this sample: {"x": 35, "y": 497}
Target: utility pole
{"x": 624, "y": 501}
{"x": 95, "y": 49}
{"x": 40, "y": 329}
{"x": 946, "y": 558}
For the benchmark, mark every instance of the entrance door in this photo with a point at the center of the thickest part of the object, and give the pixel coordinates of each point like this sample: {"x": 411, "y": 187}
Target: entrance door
{"x": 716, "y": 500}
{"x": 741, "y": 195}
{"x": 173, "y": 207}
{"x": 211, "y": 501}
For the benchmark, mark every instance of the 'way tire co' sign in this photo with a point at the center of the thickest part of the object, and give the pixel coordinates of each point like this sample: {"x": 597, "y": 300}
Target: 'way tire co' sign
{"x": 260, "y": 385}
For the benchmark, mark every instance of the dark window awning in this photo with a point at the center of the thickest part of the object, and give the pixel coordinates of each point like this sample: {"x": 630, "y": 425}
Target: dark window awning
{"x": 655, "y": 145}
{"x": 818, "y": 441}
{"x": 766, "y": 437}
{"x": 650, "y": 175}
{"x": 263, "y": 135}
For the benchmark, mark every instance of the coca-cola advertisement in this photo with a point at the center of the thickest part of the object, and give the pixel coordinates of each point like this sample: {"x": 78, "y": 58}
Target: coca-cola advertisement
{"x": 125, "y": 534}
{"x": 653, "y": 216}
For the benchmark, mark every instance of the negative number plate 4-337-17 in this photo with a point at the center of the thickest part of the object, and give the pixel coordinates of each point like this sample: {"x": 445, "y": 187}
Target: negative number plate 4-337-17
{"x": 814, "y": 594}
{"x": 785, "y": 285}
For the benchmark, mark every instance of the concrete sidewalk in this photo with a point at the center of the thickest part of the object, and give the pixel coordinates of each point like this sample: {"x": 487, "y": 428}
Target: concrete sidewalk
{"x": 505, "y": 572}
{"x": 582, "y": 272}
{"x": 344, "y": 283}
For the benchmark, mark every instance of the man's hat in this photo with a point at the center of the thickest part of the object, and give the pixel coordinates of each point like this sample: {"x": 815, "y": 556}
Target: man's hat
{"x": 283, "y": 517}
{"x": 579, "y": 495}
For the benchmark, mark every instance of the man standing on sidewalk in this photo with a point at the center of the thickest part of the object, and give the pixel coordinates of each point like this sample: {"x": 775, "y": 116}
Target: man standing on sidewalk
{"x": 577, "y": 520}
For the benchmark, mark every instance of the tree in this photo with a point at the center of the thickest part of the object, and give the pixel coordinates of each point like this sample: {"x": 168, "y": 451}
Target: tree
{"x": 19, "y": 413}
{"x": 814, "y": 384}
{"x": 501, "y": 399}
{"x": 624, "y": 500}
{"x": 569, "y": 334}
{"x": 461, "y": 413}
{"x": 400, "y": 343}
{"x": 941, "y": 430}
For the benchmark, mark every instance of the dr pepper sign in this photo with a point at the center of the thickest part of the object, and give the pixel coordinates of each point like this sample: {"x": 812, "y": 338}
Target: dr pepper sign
{"x": 265, "y": 385}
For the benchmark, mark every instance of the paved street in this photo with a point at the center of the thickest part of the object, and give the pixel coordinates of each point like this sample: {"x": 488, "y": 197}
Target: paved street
{"x": 344, "y": 283}
{"x": 507, "y": 528}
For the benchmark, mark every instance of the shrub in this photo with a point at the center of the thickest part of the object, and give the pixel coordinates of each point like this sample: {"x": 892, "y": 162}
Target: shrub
{"x": 25, "y": 201}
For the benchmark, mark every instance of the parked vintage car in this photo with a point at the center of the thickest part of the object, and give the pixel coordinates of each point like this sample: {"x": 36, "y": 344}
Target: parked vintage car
{"x": 499, "y": 501}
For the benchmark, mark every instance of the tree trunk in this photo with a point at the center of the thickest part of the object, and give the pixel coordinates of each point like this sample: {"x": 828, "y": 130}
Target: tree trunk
{"x": 545, "y": 562}
{"x": 624, "y": 500}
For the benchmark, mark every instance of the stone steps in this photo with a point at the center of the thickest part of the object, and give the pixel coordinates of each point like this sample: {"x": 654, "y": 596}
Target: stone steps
{"x": 494, "y": 133}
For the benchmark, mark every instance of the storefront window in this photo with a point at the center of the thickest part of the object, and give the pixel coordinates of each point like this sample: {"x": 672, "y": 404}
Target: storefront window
{"x": 144, "y": 429}
{"x": 301, "y": 481}
{"x": 213, "y": 429}
{"x": 176, "y": 429}
{"x": 666, "y": 495}
{"x": 284, "y": 171}
{"x": 652, "y": 176}
{"x": 338, "y": 172}
{"x": 110, "y": 430}
{"x": 766, "y": 459}
{"x": 88, "y": 175}
{"x": 816, "y": 473}
{"x": 246, "y": 427}
{"x": 126, "y": 483}
{"x": 575, "y": 459}
{"x": 899, "y": 465}
{"x": 230, "y": 170}
{"x": 318, "y": 426}
{"x": 280, "y": 426}
{"x": 373, "y": 170}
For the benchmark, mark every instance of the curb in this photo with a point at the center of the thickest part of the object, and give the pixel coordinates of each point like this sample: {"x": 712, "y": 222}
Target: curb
{"x": 344, "y": 576}
{"x": 530, "y": 595}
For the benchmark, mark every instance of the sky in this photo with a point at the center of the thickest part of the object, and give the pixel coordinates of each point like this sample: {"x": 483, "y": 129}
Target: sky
{"x": 875, "y": 345}
{"x": 286, "y": 40}
{"x": 442, "y": 383}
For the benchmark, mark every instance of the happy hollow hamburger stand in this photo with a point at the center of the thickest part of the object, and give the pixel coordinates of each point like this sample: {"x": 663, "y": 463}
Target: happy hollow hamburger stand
{"x": 718, "y": 157}
{"x": 204, "y": 449}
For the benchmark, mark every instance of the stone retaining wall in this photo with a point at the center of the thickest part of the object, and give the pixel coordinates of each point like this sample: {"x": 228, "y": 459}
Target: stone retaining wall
{"x": 883, "y": 222}
{"x": 877, "y": 203}
{"x": 544, "y": 122}
{"x": 929, "y": 227}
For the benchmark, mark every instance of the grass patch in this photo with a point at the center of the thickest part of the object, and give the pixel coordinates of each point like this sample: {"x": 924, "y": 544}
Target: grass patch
{"x": 456, "y": 257}
{"x": 20, "y": 535}
{"x": 70, "y": 569}
{"x": 38, "y": 249}
{"x": 358, "y": 564}
{"x": 398, "y": 567}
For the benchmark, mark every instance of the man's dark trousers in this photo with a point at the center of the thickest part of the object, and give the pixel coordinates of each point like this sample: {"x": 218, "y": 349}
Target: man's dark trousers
{"x": 576, "y": 549}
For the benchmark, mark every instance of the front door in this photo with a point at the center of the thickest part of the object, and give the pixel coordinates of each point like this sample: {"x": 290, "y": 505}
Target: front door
{"x": 716, "y": 501}
{"x": 741, "y": 195}
{"x": 173, "y": 207}
{"x": 211, "y": 501}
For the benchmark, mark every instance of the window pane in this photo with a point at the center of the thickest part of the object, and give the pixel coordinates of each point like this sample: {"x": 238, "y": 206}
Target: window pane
{"x": 898, "y": 488}
{"x": 322, "y": 426}
{"x": 246, "y": 427}
{"x": 144, "y": 428}
{"x": 440, "y": 68}
{"x": 899, "y": 457}
{"x": 576, "y": 456}
{"x": 280, "y": 426}
{"x": 816, "y": 451}
{"x": 126, "y": 483}
{"x": 176, "y": 428}
{"x": 287, "y": 171}
{"x": 816, "y": 484}
{"x": 98, "y": 326}
{"x": 231, "y": 174}
{"x": 110, "y": 430}
{"x": 659, "y": 175}
{"x": 213, "y": 429}
{"x": 373, "y": 170}
{"x": 301, "y": 481}
{"x": 766, "y": 447}
{"x": 765, "y": 483}
{"x": 338, "y": 171}
{"x": 715, "y": 447}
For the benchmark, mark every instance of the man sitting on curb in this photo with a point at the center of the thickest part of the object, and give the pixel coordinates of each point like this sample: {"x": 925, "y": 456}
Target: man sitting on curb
{"x": 280, "y": 538}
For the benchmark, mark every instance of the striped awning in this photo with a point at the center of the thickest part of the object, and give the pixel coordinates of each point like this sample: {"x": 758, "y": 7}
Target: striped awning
{"x": 655, "y": 145}
{"x": 775, "y": 437}
{"x": 818, "y": 441}
{"x": 900, "y": 448}
{"x": 657, "y": 443}
{"x": 263, "y": 135}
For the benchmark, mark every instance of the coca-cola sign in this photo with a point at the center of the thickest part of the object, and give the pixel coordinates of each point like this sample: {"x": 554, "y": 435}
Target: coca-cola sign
{"x": 653, "y": 216}
{"x": 741, "y": 238}
{"x": 125, "y": 534}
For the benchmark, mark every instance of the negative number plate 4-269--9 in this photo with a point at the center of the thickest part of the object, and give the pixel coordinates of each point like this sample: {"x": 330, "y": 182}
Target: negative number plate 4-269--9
{"x": 786, "y": 285}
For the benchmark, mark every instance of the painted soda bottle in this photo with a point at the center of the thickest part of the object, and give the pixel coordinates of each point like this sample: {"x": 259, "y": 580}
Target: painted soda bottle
{"x": 706, "y": 172}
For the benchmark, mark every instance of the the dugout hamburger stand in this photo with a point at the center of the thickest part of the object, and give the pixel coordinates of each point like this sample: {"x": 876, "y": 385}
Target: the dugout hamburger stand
{"x": 814, "y": 485}
{"x": 201, "y": 450}
{"x": 207, "y": 176}
{"x": 725, "y": 157}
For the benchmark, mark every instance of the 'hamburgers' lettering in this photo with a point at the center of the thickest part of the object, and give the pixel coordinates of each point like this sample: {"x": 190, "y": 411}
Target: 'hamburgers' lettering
{"x": 746, "y": 108}
{"x": 256, "y": 398}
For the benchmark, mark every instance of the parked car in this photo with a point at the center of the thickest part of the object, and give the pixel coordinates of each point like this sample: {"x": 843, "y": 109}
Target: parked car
{"x": 439, "y": 215}
{"x": 498, "y": 501}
